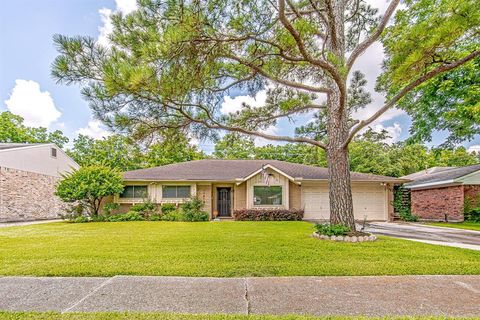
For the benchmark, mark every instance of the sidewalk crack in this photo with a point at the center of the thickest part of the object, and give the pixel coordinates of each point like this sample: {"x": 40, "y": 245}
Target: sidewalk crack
{"x": 247, "y": 301}
{"x": 104, "y": 283}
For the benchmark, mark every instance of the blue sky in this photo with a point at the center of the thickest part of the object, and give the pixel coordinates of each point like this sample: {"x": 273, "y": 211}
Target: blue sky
{"x": 27, "y": 51}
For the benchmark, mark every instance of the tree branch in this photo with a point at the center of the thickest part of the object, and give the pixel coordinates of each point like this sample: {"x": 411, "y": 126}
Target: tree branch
{"x": 288, "y": 83}
{"x": 412, "y": 85}
{"x": 301, "y": 46}
{"x": 360, "y": 49}
{"x": 217, "y": 125}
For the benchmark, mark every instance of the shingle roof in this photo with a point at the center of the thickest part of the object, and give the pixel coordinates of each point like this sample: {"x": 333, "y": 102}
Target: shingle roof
{"x": 6, "y": 146}
{"x": 229, "y": 170}
{"x": 437, "y": 176}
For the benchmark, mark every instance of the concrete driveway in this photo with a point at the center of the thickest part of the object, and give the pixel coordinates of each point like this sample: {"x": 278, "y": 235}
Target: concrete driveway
{"x": 460, "y": 238}
{"x": 352, "y": 296}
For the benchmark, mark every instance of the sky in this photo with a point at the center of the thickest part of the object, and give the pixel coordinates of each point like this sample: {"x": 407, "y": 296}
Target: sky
{"x": 27, "y": 52}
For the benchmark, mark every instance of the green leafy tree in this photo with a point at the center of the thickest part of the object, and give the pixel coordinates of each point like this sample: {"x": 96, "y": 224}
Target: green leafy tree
{"x": 172, "y": 62}
{"x": 13, "y": 130}
{"x": 455, "y": 157}
{"x": 173, "y": 148}
{"x": 116, "y": 152}
{"x": 88, "y": 186}
{"x": 235, "y": 146}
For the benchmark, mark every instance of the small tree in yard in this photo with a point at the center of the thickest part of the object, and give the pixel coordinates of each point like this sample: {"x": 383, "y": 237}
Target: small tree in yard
{"x": 89, "y": 185}
{"x": 171, "y": 63}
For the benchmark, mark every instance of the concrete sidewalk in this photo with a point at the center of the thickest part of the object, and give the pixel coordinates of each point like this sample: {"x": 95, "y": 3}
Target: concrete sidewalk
{"x": 370, "y": 296}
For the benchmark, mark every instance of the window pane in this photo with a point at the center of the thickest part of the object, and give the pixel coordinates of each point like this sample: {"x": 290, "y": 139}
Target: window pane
{"x": 267, "y": 195}
{"x": 183, "y": 192}
{"x": 140, "y": 191}
{"x": 127, "y": 192}
{"x": 169, "y": 192}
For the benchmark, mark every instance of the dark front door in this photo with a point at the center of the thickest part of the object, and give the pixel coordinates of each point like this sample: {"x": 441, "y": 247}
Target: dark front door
{"x": 224, "y": 201}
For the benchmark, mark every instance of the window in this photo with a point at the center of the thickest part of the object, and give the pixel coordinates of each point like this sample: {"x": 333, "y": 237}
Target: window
{"x": 270, "y": 196}
{"x": 176, "y": 192}
{"x": 53, "y": 152}
{"x": 137, "y": 192}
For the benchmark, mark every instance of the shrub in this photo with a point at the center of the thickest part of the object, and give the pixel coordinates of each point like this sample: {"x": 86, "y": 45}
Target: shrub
{"x": 332, "y": 229}
{"x": 155, "y": 217}
{"x": 108, "y": 208}
{"x": 166, "y": 208}
{"x": 406, "y": 215}
{"x": 173, "y": 216}
{"x": 145, "y": 209}
{"x": 192, "y": 210}
{"x": 88, "y": 186}
{"x": 268, "y": 214}
{"x": 80, "y": 219}
{"x": 473, "y": 215}
{"x": 129, "y": 216}
{"x": 471, "y": 212}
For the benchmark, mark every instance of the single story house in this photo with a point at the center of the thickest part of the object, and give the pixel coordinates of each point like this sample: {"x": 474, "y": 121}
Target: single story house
{"x": 228, "y": 185}
{"x": 29, "y": 173}
{"x": 439, "y": 193}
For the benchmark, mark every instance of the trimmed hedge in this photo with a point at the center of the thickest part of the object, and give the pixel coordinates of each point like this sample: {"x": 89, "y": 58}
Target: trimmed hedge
{"x": 268, "y": 214}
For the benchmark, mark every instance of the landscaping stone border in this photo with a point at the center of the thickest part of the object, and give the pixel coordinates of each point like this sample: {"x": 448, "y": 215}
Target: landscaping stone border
{"x": 353, "y": 239}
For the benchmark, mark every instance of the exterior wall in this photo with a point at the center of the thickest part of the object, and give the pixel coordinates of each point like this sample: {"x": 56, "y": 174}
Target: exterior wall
{"x": 295, "y": 195}
{"x": 37, "y": 159}
{"x": 276, "y": 179}
{"x": 240, "y": 197}
{"x": 28, "y": 196}
{"x": 435, "y": 204}
{"x": 472, "y": 193}
{"x": 204, "y": 193}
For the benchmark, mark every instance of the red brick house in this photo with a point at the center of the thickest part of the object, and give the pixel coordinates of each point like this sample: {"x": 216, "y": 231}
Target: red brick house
{"x": 440, "y": 193}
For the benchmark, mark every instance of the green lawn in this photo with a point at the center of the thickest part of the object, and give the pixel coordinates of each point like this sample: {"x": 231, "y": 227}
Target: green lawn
{"x": 460, "y": 225}
{"x": 221, "y": 249}
{"x": 164, "y": 316}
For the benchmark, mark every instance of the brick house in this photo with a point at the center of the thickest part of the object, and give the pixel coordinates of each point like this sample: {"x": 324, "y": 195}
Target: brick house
{"x": 228, "y": 185}
{"x": 28, "y": 177}
{"x": 440, "y": 193}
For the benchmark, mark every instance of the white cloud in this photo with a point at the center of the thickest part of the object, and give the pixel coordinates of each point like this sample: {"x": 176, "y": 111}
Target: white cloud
{"x": 272, "y": 130}
{"x": 231, "y": 105}
{"x": 123, "y": 6}
{"x": 35, "y": 106}
{"x": 393, "y": 131}
{"x": 475, "y": 148}
{"x": 94, "y": 129}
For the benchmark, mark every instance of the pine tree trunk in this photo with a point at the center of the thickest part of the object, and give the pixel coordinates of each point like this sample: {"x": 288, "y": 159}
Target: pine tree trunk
{"x": 340, "y": 191}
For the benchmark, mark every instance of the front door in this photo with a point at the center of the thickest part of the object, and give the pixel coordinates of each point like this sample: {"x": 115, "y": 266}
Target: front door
{"x": 224, "y": 202}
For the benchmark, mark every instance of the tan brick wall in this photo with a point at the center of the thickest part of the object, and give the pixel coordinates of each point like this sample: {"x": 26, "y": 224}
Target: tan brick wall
{"x": 434, "y": 204}
{"x": 28, "y": 196}
{"x": 240, "y": 197}
{"x": 295, "y": 196}
{"x": 204, "y": 193}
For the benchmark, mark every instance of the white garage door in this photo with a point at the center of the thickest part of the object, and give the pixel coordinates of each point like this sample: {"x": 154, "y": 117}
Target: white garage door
{"x": 369, "y": 200}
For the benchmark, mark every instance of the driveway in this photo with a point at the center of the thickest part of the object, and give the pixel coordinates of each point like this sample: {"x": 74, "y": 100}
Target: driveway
{"x": 352, "y": 296}
{"x": 26, "y": 223}
{"x": 460, "y": 238}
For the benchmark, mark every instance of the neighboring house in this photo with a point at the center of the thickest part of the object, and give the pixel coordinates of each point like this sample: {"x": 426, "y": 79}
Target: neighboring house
{"x": 439, "y": 193}
{"x": 228, "y": 185}
{"x": 28, "y": 177}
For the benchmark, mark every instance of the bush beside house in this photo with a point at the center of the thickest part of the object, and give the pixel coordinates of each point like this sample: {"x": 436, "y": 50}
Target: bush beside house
{"x": 85, "y": 188}
{"x": 268, "y": 214}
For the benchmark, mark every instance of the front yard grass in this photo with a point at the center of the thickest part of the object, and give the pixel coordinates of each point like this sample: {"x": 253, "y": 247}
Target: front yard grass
{"x": 214, "y": 249}
{"x": 166, "y": 316}
{"x": 459, "y": 225}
